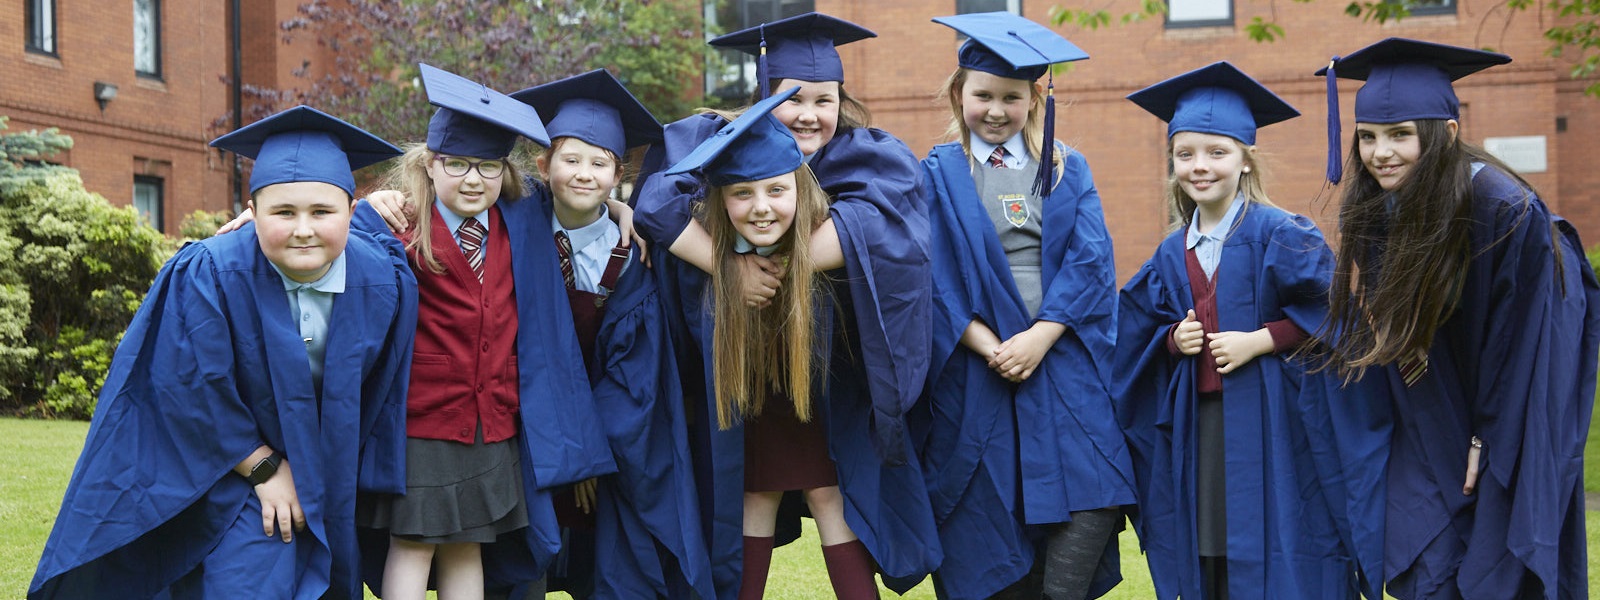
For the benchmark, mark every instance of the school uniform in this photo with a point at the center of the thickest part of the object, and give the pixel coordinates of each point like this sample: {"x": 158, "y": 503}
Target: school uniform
{"x": 1053, "y": 437}
{"x": 503, "y": 409}
{"x": 225, "y": 355}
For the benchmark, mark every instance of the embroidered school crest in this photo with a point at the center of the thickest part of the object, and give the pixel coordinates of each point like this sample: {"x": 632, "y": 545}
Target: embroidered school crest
{"x": 1016, "y": 207}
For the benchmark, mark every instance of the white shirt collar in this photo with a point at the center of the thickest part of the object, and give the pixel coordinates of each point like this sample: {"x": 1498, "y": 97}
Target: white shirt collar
{"x": 1016, "y": 150}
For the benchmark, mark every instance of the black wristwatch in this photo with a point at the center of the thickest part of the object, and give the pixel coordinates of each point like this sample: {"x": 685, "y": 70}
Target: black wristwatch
{"x": 265, "y": 469}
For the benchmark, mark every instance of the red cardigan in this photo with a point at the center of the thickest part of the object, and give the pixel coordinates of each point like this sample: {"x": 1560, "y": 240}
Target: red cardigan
{"x": 1285, "y": 334}
{"x": 464, "y": 368}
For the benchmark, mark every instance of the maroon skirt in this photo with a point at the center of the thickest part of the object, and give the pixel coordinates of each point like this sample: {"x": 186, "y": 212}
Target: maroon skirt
{"x": 782, "y": 454}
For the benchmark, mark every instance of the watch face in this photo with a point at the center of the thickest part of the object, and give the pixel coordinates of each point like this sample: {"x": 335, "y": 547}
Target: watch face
{"x": 264, "y": 470}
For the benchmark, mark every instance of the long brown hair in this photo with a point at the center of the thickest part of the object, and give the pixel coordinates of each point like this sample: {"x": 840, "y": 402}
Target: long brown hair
{"x": 1403, "y": 254}
{"x": 759, "y": 350}
{"x": 411, "y": 178}
{"x": 1180, "y": 207}
{"x": 1032, "y": 131}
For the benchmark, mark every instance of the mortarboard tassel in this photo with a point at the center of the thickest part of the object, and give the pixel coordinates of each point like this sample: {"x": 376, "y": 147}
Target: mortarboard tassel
{"x": 1335, "y": 162}
{"x": 1041, "y": 184}
{"x": 761, "y": 65}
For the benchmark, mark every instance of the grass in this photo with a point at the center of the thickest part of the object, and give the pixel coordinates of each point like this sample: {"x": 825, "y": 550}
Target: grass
{"x": 42, "y": 455}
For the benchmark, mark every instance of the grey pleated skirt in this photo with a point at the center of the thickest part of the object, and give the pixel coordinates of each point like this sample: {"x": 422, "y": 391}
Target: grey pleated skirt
{"x": 455, "y": 493}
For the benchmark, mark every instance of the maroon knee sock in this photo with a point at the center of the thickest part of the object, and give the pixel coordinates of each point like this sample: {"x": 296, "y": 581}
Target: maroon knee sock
{"x": 757, "y": 560}
{"x": 850, "y": 570}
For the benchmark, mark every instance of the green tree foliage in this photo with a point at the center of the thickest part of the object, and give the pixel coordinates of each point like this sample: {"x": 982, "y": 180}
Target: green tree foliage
{"x": 73, "y": 269}
{"x": 1574, "y": 34}
{"x": 652, "y": 46}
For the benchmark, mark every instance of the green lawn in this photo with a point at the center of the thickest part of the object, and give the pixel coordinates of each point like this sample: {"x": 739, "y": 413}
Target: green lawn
{"x": 41, "y": 455}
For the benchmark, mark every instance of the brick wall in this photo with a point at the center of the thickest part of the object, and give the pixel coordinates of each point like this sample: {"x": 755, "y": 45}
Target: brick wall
{"x": 154, "y": 126}
{"x": 898, "y": 73}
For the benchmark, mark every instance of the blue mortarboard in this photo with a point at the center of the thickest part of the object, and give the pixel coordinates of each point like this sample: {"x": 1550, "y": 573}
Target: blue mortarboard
{"x": 1218, "y": 99}
{"x": 474, "y": 120}
{"x": 1007, "y": 45}
{"x": 1406, "y": 80}
{"x": 799, "y": 47}
{"x": 595, "y": 108}
{"x": 1004, "y": 44}
{"x": 305, "y": 144}
{"x": 753, "y": 147}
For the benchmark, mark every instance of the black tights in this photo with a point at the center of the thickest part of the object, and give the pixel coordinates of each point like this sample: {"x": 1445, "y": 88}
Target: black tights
{"x": 1072, "y": 551}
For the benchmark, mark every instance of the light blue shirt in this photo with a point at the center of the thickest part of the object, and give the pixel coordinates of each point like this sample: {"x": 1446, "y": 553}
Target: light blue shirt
{"x": 743, "y": 246}
{"x": 1016, "y": 151}
{"x": 311, "y": 305}
{"x": 454, "y": 222}
{"x": 1207, "y": 246}
{"x": 591, "y": 249}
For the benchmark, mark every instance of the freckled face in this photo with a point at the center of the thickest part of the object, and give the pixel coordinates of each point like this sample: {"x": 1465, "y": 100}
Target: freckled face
{"x": 995, "y": 108}
{"x": 762, "y": 211}
{"x": 1389, "y": 151}
{"x": 812, "y": 114}
{"x": 302, "y": 226}
{"x": 1207, "y": 166}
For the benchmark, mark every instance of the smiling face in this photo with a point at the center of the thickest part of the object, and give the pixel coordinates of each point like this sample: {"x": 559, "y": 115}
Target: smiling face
{"x": 581, "y": 177}
{"x": 1207, "y": 166}
{"x": 995, "y": 108}
{"x": 467, "y": 194}
{"x": 302, "y": 226}
{"x": 1389, "y": 151}
{"x": 812, "y": 114}
{"x": 761, "y": 211}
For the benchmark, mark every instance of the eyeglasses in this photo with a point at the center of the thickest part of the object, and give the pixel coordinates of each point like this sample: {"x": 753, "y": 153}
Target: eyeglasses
{"x": 456, "y": 166}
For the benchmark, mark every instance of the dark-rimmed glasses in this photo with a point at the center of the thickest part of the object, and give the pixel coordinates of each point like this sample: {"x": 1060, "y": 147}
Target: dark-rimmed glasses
{"x": 456, "y": 166}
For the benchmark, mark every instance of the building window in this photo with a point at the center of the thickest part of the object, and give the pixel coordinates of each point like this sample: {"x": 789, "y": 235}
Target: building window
{"x": 147, "y": 199}
{"x": 1199, "y": 13}
{"x": 1432, "y": 7}
{"x": 147, "y": 37}
{"x": 730, "y": 74}
{"x": 41, "y": 16}
{"x": 982, "y": 6}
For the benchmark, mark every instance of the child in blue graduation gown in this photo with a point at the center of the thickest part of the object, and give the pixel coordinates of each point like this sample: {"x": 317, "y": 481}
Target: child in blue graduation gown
{"x": 259, "y": 389}
{"x": 1474, "y": 313}
{"x": 1026, "y": 291}
{"x": 1232, "y": 501}
{"x": 635, "y": 534}
{"x": 497, "y": 421}
{"x": 874, "y": 246}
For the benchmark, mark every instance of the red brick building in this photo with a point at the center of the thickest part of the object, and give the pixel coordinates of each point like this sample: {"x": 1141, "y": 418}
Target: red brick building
{"x": 1531, "y": 100}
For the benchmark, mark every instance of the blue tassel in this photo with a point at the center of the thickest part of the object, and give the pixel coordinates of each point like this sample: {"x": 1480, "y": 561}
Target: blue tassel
{"x": 1041, "y": 184}
{"x": 761, "y": 65}
{"x": 1335, "y": 162}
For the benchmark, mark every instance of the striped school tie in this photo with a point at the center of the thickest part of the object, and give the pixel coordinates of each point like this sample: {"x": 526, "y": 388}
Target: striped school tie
{"x": 997, "y": 160}
{"x": 564, "y": 251}
{"x": 472, "y": 233}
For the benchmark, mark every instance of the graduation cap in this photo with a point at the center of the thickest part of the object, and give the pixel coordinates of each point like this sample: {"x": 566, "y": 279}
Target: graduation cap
{"x": 305, "y": 144}
{"x": 473, "y": 120}
{"x": 1007, "y": 45}
{"x": 1406, "y": 80}
{"x": 1218, "y": 99}
{"x": 596, "y": 108}
{"x": 800, "y": 47}
{"x": 753, "y": 147}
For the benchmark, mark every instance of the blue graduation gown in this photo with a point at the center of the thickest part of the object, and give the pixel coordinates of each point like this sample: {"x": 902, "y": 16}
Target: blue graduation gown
{"x": 877, "y": 354}
{"x": 211, "y": 367}
{"x": 561, "y": 439}
{"x": 1515, "y": 365}
{"x": 1283, "y": 538}
{"x": 647, "y": 522}
{"x": 1059, "y": 423}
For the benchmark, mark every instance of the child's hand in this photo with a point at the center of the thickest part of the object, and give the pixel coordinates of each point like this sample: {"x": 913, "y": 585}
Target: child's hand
{"x": 762, "y": 276}
{"x": 1016, "y": 358}
{"x": 1189, "y": 335}
{"x": 623, "y": 215}
{"x": 1234, "y": 349}
{"x": 1474, "y": 454}
{"x": 392, "y": 206}
{"x": 280, "y": 504}
{"x": 245, "y": 217}
{"x": 583, "y": 495}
